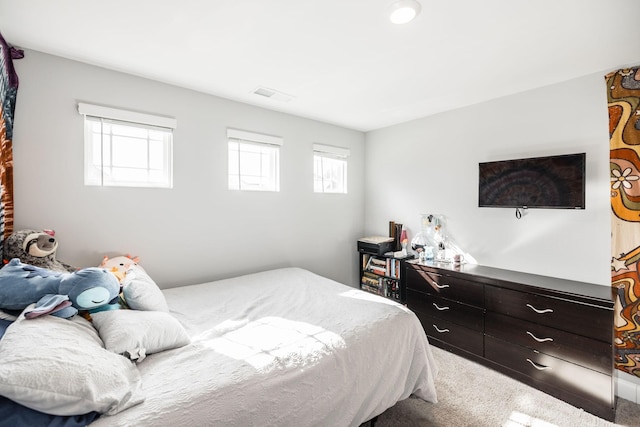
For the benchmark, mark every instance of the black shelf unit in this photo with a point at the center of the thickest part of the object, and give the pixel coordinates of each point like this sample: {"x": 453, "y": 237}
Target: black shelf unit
{"x": 383, "y": 275}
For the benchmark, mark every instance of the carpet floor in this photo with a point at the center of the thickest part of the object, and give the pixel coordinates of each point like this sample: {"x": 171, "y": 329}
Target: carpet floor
{"x": 472, "y": 395}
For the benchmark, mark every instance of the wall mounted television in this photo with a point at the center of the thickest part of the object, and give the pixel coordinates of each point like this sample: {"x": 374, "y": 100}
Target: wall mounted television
{"x": 553, "y": 182}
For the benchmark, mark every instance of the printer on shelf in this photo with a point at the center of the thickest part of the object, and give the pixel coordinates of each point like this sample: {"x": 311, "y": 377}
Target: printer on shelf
{"x": 376, "y": 245}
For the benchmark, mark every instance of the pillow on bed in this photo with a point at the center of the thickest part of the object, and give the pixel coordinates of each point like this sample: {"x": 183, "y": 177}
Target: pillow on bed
{"x": 135, "y": 334}
{"x": 60, "y": 367}
{"x": 141, "y": 292}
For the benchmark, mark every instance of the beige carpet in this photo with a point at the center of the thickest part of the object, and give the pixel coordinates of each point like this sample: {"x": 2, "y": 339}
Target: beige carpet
{"x": 470, "y": 394}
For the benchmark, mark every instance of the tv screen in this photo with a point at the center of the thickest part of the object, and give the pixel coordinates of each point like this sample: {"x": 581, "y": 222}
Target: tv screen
{"x": 539, "y": 182}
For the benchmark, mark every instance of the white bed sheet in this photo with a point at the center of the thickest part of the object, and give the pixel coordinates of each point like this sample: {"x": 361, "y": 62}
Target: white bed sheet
{"x": 284, "y": 347}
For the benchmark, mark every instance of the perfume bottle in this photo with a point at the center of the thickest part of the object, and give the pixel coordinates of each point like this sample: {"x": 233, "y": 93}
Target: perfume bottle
{"x": 441, "y": 252}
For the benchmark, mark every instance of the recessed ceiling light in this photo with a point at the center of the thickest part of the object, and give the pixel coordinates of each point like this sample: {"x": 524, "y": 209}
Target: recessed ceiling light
{"x": 404, "y": 11}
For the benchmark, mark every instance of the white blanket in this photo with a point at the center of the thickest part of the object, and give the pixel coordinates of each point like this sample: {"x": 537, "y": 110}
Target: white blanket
{"x": 282, "y": 348}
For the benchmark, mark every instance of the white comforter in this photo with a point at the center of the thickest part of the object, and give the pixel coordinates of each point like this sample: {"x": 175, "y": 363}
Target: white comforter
{"x": 282, "y": 348}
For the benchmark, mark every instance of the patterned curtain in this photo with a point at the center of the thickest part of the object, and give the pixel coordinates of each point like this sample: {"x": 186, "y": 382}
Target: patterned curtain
{"x": 8, "y": 92}
{"x": 623, "y": 87}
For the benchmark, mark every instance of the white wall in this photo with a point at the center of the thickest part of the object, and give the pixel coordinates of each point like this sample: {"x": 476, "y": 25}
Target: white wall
{"x": 430, "y": 165}
{"x": 198, "y": 230}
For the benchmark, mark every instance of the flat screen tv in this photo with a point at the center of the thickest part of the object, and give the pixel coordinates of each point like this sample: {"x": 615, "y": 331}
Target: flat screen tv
{"x": 539, "y": 182}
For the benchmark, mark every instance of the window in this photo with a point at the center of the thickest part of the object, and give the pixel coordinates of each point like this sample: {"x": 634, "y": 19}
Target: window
{"x": 127, "y": 149}
{"x": 329, "y": 169}
{"x": 254, "y": 161}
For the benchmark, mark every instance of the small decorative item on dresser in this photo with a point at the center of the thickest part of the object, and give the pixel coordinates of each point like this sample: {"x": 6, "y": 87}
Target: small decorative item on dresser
{"x": 458, "y": 259}
{"x": 404, "y": 240}
{"x": 428, "y": 253}
{"x": 441, "y": 255}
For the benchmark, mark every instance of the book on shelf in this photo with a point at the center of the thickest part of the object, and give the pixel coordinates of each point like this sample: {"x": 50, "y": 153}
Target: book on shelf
{"x": 386, "y": 266}
{"x": 371, "y": 289}
{"x": 379, "y": 261}
{"x": 391, "y": 267}
{"x": 366, "y": 260}
{"x": 395, "y": 268}
{"x": 378, "y": 266}
{"x": 378, "y": 270}
{"x": 370, "y": 279}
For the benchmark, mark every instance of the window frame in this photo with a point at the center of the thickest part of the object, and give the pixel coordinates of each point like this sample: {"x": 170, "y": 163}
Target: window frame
{"x": 322, "y": 152}
{"x": 110, "y": 118}
{"x": 248, "y": 144}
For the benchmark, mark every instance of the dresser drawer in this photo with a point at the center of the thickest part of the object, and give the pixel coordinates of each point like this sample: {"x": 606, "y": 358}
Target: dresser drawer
{"x": 421, "y": 279}
{"x": 445, "y": 309}
{"x": 592, "y": 385}
{"x": 451, "y": 333}
{"x": 587, "y": 352}
{"x": 586, "y": 320}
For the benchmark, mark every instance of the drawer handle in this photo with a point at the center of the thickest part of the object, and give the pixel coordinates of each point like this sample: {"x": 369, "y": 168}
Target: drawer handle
{"x": 440, "y": 330}
{"x": 537, "y": 366}
{"x": 539, "y": 339}
{"x": 546, "y": 310}
{"x": 440, "y": 286}
{"x": 440, "y": 308}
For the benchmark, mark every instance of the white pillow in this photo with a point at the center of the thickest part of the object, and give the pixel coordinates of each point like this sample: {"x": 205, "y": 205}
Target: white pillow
{"x": 135, "y": 334}
{"x": 141, "y": 292}
{"x": 60, "y": 367}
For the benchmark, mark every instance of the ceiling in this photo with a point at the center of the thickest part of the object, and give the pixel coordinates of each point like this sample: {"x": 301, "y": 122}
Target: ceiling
{"x": 341, "y": 61}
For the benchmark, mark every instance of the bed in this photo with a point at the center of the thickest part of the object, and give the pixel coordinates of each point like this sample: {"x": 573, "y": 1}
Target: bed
{"x": 278, "y": 348}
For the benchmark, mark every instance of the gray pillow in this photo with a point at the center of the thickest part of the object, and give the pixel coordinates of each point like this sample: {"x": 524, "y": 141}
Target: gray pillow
{"x": 141, "y": 292}
{"x": 136, "y": 334}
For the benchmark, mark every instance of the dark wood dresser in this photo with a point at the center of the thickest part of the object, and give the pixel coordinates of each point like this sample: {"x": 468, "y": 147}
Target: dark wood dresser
{"x": 553, "y": 334}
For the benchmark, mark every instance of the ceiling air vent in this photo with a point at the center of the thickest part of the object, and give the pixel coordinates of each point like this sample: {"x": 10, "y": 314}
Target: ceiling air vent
{"x": 272, "y": 94}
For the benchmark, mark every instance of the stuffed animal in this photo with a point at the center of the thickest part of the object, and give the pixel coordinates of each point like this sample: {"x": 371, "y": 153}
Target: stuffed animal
{"x": 119, "y": 265}
{"x": 139, "y": 291}
{"x": 92, "y": 289}
{"x": 37, "y": 248}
